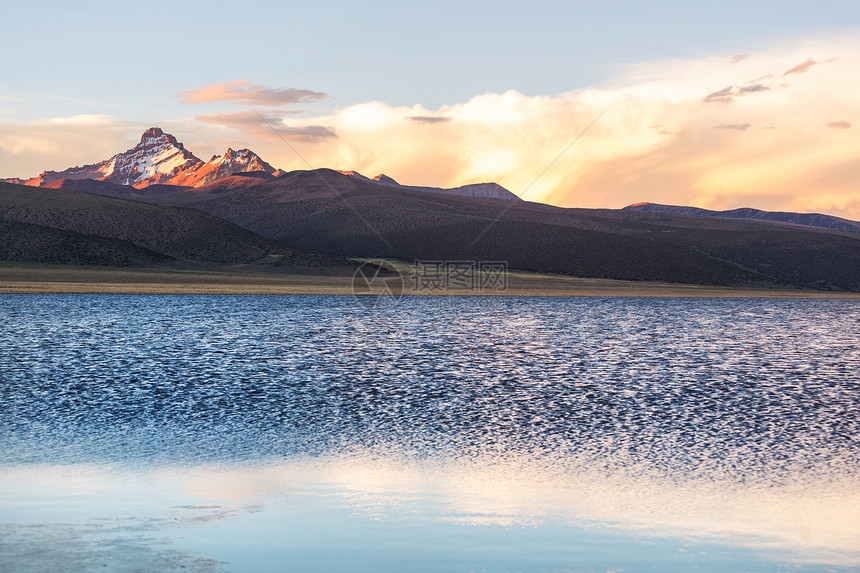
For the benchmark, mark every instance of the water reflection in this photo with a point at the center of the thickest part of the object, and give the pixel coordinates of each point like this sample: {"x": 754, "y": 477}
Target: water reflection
{"x": 801, "y": 522}
{"x": 568, "y": 425}
{"x": 815, "y": 521}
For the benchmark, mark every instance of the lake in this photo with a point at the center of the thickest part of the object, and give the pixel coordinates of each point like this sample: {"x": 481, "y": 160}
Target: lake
{"x": 312, "y": 433}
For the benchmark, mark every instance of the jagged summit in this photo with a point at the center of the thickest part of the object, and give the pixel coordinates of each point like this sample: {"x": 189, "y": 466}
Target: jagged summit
{"x": 231, "y": 155}
{"x": 241, "y": 155}
{"x": 220, "y": 166}
{"x": 159, "y": 159}
{"x": 152, "y": 132}
{"x": 156, "y": 136}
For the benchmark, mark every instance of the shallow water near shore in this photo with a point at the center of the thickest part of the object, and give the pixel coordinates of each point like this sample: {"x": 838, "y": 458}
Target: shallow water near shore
{"x": 309, "y": 433}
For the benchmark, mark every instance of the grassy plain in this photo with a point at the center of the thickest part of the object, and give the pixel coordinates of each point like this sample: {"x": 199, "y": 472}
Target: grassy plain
{"x": 32, "y": 278}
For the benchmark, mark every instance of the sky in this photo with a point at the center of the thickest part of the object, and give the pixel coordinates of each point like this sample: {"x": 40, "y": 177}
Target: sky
{"x": 580, "y": 104}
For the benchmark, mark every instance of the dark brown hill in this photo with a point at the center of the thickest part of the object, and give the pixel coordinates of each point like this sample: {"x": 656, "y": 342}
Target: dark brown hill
{"x": 327, "y": 211}
{"x": 807, "y": 219}
{"x": 30, "y": 243}
{"x": 167, "y": 233}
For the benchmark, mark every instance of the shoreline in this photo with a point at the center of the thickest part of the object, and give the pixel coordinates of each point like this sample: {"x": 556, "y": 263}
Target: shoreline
{"x": 44, "y": 279}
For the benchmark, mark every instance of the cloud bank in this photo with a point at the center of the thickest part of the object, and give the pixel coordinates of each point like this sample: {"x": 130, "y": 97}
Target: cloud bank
{"x": 714, "y": 132}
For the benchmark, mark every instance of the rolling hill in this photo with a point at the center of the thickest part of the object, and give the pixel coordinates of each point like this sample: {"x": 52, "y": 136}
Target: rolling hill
{"x": 73, "y": 227}
{"x": 32, "y": 243}
{"x": 807, "y": 219}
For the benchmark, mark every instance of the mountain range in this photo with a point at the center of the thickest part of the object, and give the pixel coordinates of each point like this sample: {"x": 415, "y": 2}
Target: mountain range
{"x": 806, "y": 219}
{"x": 283, "y": 218}
{"x": 159, "y": 159}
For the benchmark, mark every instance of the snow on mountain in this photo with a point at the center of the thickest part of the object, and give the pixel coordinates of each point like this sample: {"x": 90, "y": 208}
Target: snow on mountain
{"x": 221, "y": 166}
{"x": 159, "y": 159}
{"x": 485, "y": 190}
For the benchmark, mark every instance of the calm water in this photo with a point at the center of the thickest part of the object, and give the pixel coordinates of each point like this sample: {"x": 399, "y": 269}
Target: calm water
{"x": 220, "y": 433}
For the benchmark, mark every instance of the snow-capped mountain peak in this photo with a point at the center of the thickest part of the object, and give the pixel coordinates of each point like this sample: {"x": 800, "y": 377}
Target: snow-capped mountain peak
{"x": 220, "y": 166}
{"x": 157, "y": 158}
{"x": 160, "y": 159}
{"x": 242, "y": 156}
{"x": 154, "y": 135}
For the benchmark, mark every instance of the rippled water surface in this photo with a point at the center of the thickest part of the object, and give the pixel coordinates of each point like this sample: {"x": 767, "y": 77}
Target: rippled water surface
{"x": 459, "y": 434}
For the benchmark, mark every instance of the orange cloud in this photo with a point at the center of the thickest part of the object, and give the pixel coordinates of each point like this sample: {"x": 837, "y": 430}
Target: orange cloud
{"x": 841, "y": 124}
{"x": 801, "y": 68}
{"x": 244, "y": 92}
{"x": 265, "y": 126}
{"x": 734, "y": 126}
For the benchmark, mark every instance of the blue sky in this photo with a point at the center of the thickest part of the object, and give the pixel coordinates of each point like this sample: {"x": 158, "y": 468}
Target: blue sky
{"x": 130, "y": 59}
